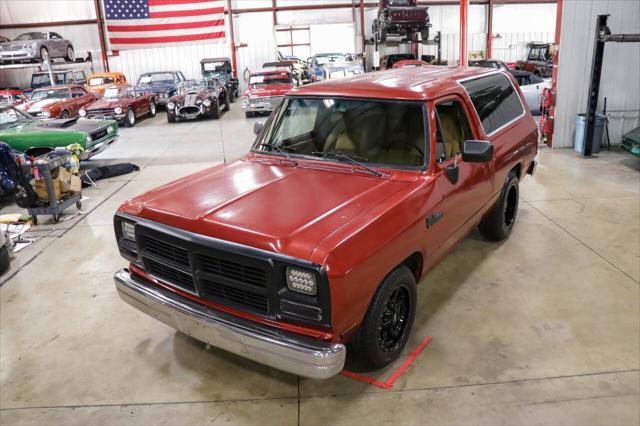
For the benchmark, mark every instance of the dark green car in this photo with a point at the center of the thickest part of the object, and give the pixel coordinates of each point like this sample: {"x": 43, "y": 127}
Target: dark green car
{"x": 22, "y": 132}
{"x": 221, "y": 69}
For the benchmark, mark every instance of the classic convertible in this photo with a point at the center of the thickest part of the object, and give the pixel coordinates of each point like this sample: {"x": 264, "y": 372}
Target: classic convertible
{"x": 24, "y": 133}
{"x": 197, "y": 99}
{"x": 162, "y": 84}
{"x": 57, "y": 101}
{"x": 122, "y": 103}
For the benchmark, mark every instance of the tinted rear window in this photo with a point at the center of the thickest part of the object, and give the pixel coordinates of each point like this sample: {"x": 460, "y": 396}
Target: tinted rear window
{"x": 495, "y": 100}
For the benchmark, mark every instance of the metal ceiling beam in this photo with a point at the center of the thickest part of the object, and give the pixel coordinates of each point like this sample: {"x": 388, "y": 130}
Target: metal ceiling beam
{"x": 49, "y": 24}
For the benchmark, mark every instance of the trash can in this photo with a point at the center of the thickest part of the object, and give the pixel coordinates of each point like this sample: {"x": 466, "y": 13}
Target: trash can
{"x": 581, "y": 132}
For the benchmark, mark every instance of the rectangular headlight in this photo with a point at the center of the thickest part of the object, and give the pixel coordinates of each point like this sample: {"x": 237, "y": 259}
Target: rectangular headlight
{"x": 128, "y": 231}
{"x": 301, "y": 281}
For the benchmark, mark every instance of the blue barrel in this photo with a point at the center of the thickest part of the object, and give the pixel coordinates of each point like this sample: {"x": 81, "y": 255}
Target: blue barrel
{"x": 581, "y": 132}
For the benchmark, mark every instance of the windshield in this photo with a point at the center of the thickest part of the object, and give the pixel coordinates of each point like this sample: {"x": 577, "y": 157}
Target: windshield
{"x": 31, "y": 36}
{"x": 369, "y": 131}
{"x": 97, "y": 81}
{"x": 399, "y": 2}
{"x": 195, "y": 85}
{"x": 39, "y": 80}
{"x": 118, "y": 92}
{"x": 51, "y": 94}
{"x": 321, "y": 60}
{"x": 216, "y": 67}
{"x": 11, "y": 117}
{"x": 263, "y": 80}
{"x": 156, "y": 78}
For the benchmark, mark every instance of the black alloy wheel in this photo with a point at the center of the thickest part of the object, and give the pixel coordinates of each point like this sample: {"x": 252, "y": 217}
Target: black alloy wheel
{"x": 499, "y": 223}
{"x": 387, "y": 323}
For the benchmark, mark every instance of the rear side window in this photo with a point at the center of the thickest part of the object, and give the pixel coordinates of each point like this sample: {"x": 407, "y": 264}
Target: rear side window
{"x": 495, "y": 101}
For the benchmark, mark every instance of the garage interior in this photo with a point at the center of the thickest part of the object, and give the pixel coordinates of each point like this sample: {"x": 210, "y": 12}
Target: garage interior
{"x": 541, "y": 328}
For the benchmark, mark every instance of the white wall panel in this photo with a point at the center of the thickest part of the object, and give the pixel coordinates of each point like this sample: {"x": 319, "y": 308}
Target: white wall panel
{"x": 29, "y": 11}
{"x": 620, "y": 82}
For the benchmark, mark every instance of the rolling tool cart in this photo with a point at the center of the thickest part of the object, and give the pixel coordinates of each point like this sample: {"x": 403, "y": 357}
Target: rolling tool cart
{"x": 57, "y": 202}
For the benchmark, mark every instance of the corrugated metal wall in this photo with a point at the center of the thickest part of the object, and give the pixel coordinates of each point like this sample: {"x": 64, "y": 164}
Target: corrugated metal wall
{"x": 620, "y": 74}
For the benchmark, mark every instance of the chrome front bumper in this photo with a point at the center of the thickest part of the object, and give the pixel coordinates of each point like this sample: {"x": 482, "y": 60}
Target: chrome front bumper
{"x": 261, "y": 105}
{"x": 279, "y": 349}
{"x": 99, "y": 147}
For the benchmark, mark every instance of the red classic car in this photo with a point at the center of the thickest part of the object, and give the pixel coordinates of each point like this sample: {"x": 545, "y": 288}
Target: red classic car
{"x": 122, "y": 103}
{"x": 266, "y": 90}
{"x": 315, "y": 240}
{"x": 401, "y": 17}
{"x": 12, "y": 97}
{"x": 410, "y": 63}
{"x": 198, "y": 99}
{"x": 57, "y": 101}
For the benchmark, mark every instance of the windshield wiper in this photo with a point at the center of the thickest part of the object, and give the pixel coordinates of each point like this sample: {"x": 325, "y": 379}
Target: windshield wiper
{"x": 351, "y": 159}
{"x": 281, "y": 151}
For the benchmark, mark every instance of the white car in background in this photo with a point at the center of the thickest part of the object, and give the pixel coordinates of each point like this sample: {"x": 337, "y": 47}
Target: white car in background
{"x": 334, "y": 70}
{"x": 532, "y": 86}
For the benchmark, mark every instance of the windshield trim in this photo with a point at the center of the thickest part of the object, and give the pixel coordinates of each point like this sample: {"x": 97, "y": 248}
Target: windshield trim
{"x": 260, "y": 139}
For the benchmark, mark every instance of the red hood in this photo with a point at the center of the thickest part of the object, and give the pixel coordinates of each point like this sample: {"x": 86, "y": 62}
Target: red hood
{"x": 268, "y": 90}
{"x": 107, "y": 104}
{"x": 41, "y": 104}
{"x": 271, "y": 206}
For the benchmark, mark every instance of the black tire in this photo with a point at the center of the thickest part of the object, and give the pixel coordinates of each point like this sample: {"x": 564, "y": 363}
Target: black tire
{"x": 171, "y": 118}
{"x": 376, "y": 345}
{"x": 130, "y": 118}
{"x": 5, "y": 260}
{"x": 498, "y": 225}
{"x": 424, "y": 33}
{"x": 78, "y": 205}
{"x": 44, "y": 54}
{"x": 153, "y": 108}
{"x": 248, "y": 114}
{"x": 231, "y": 97}
{"x": 215, "y": 113}
{"x": 65, "y": 114}
{"x": 227, "y": 103}
{"x": 70, "y": 54}
{"x": 34, "y": 219}
{"x": 56, "y": 218}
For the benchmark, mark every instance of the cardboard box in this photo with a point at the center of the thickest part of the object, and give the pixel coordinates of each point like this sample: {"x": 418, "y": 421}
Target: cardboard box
{"x": 41, "y": 189}
{"x": 75, "y": 185}
{"x": 64, "y": 177}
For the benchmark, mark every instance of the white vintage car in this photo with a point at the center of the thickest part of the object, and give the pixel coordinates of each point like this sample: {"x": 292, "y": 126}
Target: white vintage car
{"x": 334, "y": 70}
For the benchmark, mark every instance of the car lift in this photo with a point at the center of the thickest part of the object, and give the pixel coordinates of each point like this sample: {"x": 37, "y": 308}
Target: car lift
{"x": 603, "y": 35}
{"x": 414, "y": 46}
{"x": 49, "y": 65}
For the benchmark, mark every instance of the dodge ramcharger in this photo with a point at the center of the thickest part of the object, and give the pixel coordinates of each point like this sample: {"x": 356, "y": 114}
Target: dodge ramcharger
{"x": 311, "y": 245}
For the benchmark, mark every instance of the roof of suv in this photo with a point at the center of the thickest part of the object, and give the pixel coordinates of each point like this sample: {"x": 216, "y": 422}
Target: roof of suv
{"x": 399, "y": 83}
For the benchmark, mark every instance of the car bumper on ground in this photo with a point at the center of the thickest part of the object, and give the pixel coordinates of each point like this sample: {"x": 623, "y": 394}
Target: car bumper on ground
{"x": 279, "y": 349}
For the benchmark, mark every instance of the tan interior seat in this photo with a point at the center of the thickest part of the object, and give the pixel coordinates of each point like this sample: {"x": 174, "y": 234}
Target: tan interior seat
{"x": 452, "y": 132}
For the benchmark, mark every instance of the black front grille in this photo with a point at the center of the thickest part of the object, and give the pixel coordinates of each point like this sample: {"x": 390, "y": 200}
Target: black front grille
{"x": 107, "y": 111}
{"x": 221, "y": 277}
{"x": 98, "y": 135}
{"x": 174, "y": 254}
{"x": 189, "y": 110}
{"x": 223, "y": 293}
{"x": 170, "y": 274}
{"x": 232, "y": 270}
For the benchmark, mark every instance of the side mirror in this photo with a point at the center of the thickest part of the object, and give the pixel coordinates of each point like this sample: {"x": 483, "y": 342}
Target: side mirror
{"x": 257, "y": 128}
{"x": 477, "y": 151}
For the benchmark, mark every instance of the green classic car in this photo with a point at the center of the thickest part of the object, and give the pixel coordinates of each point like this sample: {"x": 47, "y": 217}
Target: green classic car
{"x": 23, "y": 132}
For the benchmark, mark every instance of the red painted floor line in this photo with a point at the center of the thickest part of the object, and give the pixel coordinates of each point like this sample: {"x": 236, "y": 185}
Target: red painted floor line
{"x": 388, "y": 384}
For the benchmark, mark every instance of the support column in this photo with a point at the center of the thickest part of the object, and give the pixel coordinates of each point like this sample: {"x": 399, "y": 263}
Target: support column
{"x": 490, "y": 29}
{"x": 103, "y": 44}
{"x": 362, "y": 26}
{"x": 232, "y": 40}
{"x": 464, "y": 13}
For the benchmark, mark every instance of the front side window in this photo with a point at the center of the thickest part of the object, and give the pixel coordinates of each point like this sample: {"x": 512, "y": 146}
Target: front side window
{"x": 452, "y": 129}
{"x": 375, "y": 132}
{"x": 97, "y": 81}
{"x": 495, "y": 100}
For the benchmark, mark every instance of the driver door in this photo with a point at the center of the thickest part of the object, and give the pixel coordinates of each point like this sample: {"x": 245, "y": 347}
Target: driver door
{"x": 461, "y": 198}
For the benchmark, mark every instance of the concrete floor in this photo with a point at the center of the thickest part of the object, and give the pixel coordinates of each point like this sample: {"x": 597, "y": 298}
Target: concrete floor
{"x": 541, "y": 329}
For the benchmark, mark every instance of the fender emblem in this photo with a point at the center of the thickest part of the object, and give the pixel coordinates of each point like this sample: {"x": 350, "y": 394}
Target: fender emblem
{"x": 433, "y": 218}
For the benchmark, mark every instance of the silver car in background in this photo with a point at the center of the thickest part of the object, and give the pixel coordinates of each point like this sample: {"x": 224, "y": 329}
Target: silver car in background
{"x": 36, "y": 46}
{"x": 334, "y": 70}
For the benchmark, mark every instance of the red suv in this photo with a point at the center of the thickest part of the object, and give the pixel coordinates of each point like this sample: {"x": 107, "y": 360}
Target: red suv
{"x": 314, "y": 241}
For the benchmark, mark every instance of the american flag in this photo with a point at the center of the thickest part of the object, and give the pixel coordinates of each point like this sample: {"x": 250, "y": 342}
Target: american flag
{"x": 135, "y": 24}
